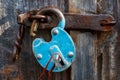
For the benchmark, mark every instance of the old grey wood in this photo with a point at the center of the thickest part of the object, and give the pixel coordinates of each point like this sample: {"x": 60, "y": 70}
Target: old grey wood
{"x": 102, "y": 64}
{"x": 83, "y": 67}
{"x": 117, "y": 49}
{"x": 26, "y": 68}
{"x": 97, "y": 52}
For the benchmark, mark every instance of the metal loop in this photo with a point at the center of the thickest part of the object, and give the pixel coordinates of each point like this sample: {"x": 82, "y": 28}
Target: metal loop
{"x": 51, "y": 12}
{"x": 54, "y": 13}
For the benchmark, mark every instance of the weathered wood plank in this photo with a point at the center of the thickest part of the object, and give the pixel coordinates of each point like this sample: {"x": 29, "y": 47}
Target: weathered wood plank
{"x": 117, "y": 47}
{"x": 103, "y": 50}
{"x": 83, "y": 67}
{"x": 82, "y": 6}
{"x": 103, "y": 62}
{"x": 105, "y": 6}
{"x": 6, "y": 40}
{"x": 97, "y": 58}
{"x": 113, "y": 66}
{"x": 106, "y": 49}
{"x": 108, "y": 57}
{"x": 27, "y": 67}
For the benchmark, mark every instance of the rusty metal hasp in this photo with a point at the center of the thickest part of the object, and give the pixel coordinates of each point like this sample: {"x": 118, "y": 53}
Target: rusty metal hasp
{"x": 99, "y": 22}
{"x": 60, "y": 51}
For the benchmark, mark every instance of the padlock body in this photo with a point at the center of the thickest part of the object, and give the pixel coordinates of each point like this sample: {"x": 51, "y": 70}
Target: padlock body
{"x": 61, "y": 44}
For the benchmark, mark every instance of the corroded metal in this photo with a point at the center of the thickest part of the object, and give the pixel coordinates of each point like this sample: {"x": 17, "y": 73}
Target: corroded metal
{"x": 103, "y": 22}
{"x": 90, "y": 22}
{"x": 22, "y": 19}
{"x": 18, "y": 42}
{"x": 34, "y": 18}
{"x": 49, "y": 13}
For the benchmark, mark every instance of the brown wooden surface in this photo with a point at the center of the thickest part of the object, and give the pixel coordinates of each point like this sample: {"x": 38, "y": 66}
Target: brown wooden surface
{"x": 117, "y": 48}
{"x": 83, "y": 67}
{"x": 102, "y": 64}
{"x": 97, "y": 57}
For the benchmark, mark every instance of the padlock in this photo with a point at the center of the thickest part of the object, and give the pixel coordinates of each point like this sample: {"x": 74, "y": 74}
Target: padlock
{"x": 60, "y": 52}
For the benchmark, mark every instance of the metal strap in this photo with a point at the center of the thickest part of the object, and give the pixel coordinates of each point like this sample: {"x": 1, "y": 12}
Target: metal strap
{"x": 18, "y": 43}
{"x": 44, "y": 70}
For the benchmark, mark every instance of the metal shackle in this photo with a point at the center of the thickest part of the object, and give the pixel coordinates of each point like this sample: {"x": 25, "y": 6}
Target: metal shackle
{"x": 54, "y": 13}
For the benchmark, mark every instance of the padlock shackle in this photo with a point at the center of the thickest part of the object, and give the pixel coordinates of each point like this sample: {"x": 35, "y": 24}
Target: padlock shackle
{"x": 51, "y": 11}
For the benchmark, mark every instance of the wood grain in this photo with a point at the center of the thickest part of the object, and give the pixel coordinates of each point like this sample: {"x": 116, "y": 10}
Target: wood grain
{"x": 104, "y": 62}
{"x": 97, "y": 57}
{"x": 83, "y": 67}
{"x": 82, "y": 6}
{"x": 27, "y": 67}
{"x": 117, "y": 48}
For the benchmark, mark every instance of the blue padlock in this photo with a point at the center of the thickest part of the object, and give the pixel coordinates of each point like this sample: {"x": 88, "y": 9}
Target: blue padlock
{"x": 60, "y": 51}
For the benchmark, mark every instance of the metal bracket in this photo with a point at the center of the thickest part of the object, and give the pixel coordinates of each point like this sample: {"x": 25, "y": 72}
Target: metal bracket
{"x": 102, "y": 22}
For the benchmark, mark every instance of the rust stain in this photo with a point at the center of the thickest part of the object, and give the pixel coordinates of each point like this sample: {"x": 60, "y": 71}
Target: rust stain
{"x": 86, "y": 19}
{"x": 107, "y": 28}
{"x": 92, "y": 22}
{"x": 7, "y": 72}
{"x": 8, "y": 69}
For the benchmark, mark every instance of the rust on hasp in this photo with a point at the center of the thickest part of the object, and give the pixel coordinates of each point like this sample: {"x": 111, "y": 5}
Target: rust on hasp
{"x": 102, "y": 22}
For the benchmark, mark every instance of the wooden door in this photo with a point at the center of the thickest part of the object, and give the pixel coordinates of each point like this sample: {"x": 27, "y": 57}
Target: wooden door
{"x": 97, "y": 52}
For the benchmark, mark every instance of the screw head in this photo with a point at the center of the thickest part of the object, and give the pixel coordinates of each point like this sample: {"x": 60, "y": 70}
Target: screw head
{"x": 39, "y": 56}
{"x": 70, "y": 54}
{"x": 56, "y": 32}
